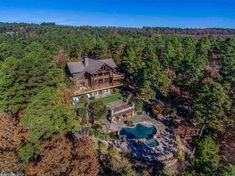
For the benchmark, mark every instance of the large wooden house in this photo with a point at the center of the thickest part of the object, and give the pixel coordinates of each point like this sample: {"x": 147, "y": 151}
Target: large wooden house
{"x": 94, "y": 78}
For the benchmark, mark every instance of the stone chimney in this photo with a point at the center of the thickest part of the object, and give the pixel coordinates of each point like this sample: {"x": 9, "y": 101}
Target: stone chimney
{"x": 86, "y": 61}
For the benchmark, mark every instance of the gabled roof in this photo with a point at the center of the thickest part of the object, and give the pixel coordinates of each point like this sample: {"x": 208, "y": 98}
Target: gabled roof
{"x": 89, "y": 65}
{"x": 93, "y": 66}
{"x": 75, "y": 67}
{"x": 109, "y": 62}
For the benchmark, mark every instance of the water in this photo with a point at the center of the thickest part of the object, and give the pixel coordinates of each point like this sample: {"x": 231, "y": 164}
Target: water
{"x": 152, "y": 143}
{"x": 140, "y": 131}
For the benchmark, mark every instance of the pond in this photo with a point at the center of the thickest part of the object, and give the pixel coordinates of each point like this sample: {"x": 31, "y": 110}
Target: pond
{"x": 140, "y": 131}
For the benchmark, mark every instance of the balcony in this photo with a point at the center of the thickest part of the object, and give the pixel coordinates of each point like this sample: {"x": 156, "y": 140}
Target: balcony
{"x": 97, "y": 87}
{"x": 118, "y": 76}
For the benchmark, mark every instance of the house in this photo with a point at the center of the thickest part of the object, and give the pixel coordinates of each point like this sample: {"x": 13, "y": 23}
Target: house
{"x": 94, "y": 78}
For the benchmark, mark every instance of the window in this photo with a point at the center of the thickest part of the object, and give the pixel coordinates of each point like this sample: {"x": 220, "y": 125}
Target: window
{"x": 106, "y": 80}
{"x": 100, "y": 80}
{"x": 82, "y": 84}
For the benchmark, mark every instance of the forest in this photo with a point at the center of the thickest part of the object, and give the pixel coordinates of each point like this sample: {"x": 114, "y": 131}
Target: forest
{"x": 189, "y": 67}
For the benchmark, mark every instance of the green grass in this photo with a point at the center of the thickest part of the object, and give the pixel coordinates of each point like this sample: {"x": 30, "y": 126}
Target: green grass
{"x": 106, "y": 100}
{"x": 111, "y": 98}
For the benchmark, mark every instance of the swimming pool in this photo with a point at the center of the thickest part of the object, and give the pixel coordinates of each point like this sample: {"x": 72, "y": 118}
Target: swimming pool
{"x": 152, "y": 143}
{"x": 140, "y": 131}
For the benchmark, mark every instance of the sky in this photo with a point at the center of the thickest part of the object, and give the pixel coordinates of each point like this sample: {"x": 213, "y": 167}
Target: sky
{"x": 124, "y": 13}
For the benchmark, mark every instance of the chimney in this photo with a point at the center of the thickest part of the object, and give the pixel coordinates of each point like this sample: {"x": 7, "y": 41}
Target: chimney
{"x": 86, "y": 61}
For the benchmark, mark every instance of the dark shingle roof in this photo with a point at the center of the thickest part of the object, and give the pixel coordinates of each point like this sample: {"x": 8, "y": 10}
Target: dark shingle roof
{"x": 109, "y": 62}
{"x": 75, "y": 67}
{"x": 91, "y": 66}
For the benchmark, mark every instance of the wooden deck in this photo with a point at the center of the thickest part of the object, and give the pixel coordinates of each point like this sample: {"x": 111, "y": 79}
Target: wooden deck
{"x": 96, "y": 88}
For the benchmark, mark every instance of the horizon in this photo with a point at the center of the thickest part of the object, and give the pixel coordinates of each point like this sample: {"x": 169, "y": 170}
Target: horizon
{"x": 119, "y": 13}
{"x": 124, "y": 27}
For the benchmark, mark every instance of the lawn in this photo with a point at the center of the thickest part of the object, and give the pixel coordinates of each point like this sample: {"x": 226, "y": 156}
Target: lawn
{"x": 111, "y": 98}
{"x": 106, "y": 100}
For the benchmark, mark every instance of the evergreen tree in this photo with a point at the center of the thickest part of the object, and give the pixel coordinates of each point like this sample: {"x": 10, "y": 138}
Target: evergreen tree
{"x": 206, "y": 157}
{"x": 97, "y": 110}
{"x": 210, "y": 104}
{"x": 21, "y": 79}
{"x": 46, "y": 116}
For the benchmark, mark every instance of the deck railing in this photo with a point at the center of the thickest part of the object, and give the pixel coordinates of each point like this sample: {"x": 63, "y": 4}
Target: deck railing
{"x": 85, "y": 90}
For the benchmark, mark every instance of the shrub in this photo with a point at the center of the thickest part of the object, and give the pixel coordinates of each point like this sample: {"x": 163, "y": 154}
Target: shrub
{"x": 138, "y": 104}
{"x": 157, "y": 109}
{"x": 97, "y": 110}
{"x": 28, "y": 152}
{"x": 103, "y": 147}
{"x": 100, "y": 135}
{"x": 113, "y": 151}
{"x": 129, "y": 123}
{"x": 113, "y": 135}
{"x": 84, "y": 99}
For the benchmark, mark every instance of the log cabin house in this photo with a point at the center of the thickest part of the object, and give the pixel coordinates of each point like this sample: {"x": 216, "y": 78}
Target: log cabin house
{"x": 94, "y": 78}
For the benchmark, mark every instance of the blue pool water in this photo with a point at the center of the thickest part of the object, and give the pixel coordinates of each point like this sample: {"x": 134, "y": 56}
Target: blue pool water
{"x": 152, "y": 143}
{"x": 140, "y": 131}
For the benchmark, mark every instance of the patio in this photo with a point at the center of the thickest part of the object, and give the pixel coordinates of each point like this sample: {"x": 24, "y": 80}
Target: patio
{"x": 165, "y": 137}
{"x": 117, "y": 125}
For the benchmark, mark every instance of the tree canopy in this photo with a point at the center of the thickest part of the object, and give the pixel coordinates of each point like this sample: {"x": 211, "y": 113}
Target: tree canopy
{"x": 46, "y": 116}
{"x": 192, "y": 67}
{"x": 23, "y": 78}
{"x": 210, "y": 104}
{"x": 207, "y": 158}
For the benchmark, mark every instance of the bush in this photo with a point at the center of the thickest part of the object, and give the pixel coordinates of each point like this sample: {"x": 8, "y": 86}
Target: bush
{"x": 138, "y": 104}
{"x": 97, "y": 110}
{"x": 81, "y": 112}
{"x": 84, "y": 99}
{"x": 229, "y": 170}
{"x": 100, "y": 135}
{"x": 129, "y": 123}
{"x": 103, "y": 147}
{"x": 113, "y": 135}
{"x": 121, "y": 166}
{"x": 116, "y": 90}
{"x": 113, "y": 151}
{"x": 157, "y": 109}
{"x": 28, "y": 152}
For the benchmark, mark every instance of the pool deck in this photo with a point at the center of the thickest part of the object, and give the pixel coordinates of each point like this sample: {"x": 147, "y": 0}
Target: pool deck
{"x": 164, "y": 136}
{"x": 116, "y": 126}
